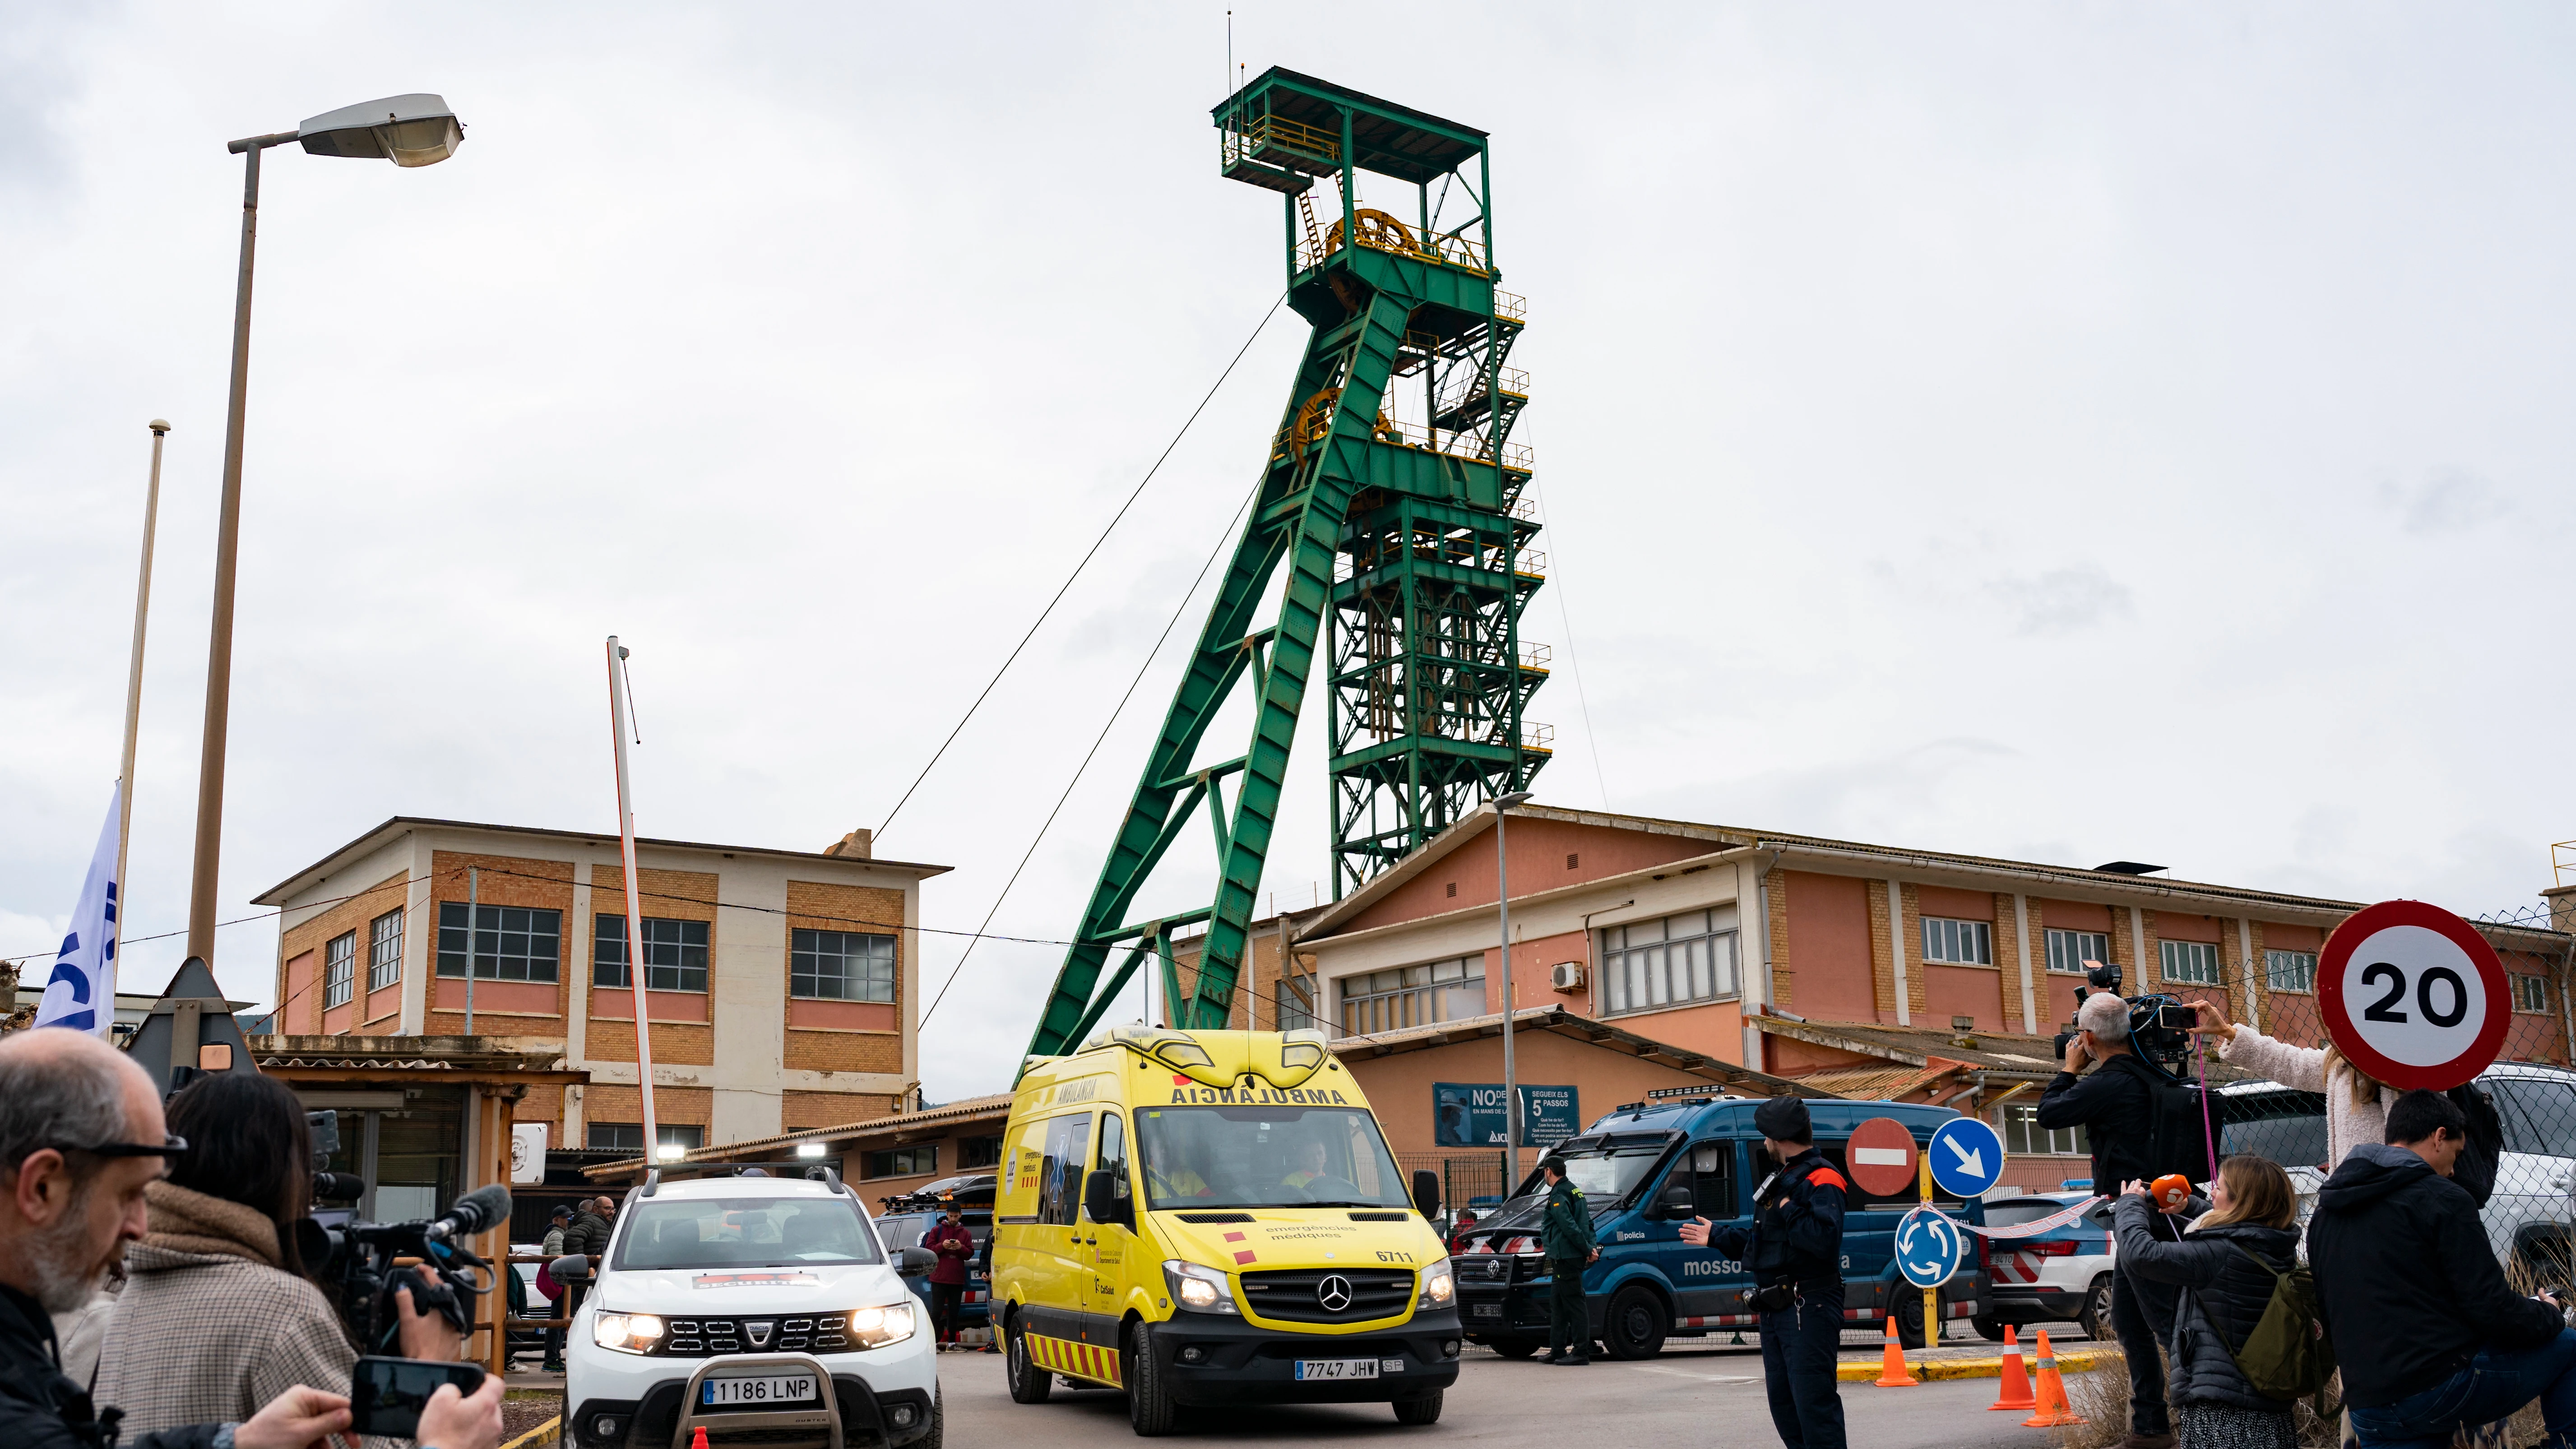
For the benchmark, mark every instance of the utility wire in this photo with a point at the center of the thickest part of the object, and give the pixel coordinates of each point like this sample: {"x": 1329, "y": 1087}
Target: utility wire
{"x": 1214, "y": 803}
{"x": 1573, "y": 656}
{"x": 888, "y": 822}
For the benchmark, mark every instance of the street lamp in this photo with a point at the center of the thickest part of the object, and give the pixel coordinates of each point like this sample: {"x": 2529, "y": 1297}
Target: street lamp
{"x": 1511, "y": 1081}
{"x": 414, "y": 130}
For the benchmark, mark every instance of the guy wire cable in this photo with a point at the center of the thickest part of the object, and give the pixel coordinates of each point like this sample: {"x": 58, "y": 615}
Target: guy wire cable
{"x": 1085, "y": 562}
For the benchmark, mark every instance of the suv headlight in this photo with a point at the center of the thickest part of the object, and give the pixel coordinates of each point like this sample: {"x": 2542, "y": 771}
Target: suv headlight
{"x": 626, "y": 1332}
{"x": 1202, "y": 1290}
{"x": 877, "y": 1327}
{"x": 1439, "y": 1286}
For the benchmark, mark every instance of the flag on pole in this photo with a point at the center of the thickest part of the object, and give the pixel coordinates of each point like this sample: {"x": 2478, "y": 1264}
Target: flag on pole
{"x": 81, "y": 994}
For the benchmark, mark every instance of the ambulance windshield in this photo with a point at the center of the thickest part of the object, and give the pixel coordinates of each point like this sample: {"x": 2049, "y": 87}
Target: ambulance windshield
{"x": 1270, "y": 1155}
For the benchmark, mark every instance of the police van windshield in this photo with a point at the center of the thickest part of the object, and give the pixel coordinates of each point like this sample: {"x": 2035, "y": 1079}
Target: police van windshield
{"x": 745, "y": 1232}
{"x": 1281, "y": 1155}
{"x": 1602, "y": 1177}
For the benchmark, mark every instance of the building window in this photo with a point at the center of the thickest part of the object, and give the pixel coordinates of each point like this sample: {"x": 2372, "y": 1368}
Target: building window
{"x": 1958, "y": 943}
{"x": 2189, "y": 963}
{"x": 902, "y": 1161}
{"x": 384, "y": 950}
{"x": 1671, "y": 962}
{"x": 615, "y": 1137}
{"x": 836, "y": 965}
{"x": 511, "y": 943}
{"x": 2023, "y": 1134}
{"x": 1405, "y": 996}
{"x": 974, "y": 1152}
{"x": 2290, "y": 970}
{"x": 339, "y": 968}
{"x": 1295, "y": 1007}
{"x": 2530, "y": 993}
{"x": 2069, "y": 950}
{"x": 675, "y": 954}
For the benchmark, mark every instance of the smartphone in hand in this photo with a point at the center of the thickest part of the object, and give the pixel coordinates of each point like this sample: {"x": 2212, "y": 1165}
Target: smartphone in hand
{"x": 386, "y": 1395}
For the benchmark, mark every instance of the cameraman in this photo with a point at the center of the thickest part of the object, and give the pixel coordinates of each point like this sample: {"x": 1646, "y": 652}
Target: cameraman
{"x": 81, "y": 1137}
{"x": 2116, "y": 1105}
{"x": 219, "y": 1312}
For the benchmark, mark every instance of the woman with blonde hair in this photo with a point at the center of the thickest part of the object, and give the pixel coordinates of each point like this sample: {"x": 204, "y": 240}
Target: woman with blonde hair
{"x": 2356, "y": 1105}
{"x": 2251, "y": 1209}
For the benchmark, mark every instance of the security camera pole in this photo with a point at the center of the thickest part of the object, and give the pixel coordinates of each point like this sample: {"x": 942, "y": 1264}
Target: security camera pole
{"x": 1511, "y": 1081}
{"x": 415, "y": 130}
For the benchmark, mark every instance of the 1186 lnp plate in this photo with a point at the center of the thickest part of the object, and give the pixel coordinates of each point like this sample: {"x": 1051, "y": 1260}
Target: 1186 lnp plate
{"x": 782, "y": 1389}
{"x": 1337, "y": 1368}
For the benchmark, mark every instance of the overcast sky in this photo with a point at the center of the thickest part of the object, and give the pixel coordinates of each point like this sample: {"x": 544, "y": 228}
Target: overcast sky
{"x": 2055, "y": 431}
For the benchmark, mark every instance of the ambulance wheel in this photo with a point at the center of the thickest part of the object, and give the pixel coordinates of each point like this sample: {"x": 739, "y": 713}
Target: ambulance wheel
{"x": 1513, "y": 1347}
{"x": 1151, "y": 1410}
{"x": 1424, "y": 1410}
{"x": 2095, "y": 1319}
{"x": 1029, "y": 1383}
{"x": 1989, "y": 1327}
{"x": 1909, "y": 1325}
{"x": 1635, "y": 1324}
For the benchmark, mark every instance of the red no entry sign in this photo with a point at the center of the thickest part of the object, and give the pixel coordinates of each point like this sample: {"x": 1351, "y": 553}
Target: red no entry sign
{"x": 2413, "y": 994}
{"x": 1880, "y": 1157}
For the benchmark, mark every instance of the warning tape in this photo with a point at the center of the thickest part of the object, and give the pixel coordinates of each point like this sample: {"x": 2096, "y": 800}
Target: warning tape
{"x": 2048, "y": 1224}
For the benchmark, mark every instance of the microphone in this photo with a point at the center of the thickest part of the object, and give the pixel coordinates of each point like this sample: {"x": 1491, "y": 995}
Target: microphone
{"x": 338, "y": 1186}
{"x": 475, "y": 1212}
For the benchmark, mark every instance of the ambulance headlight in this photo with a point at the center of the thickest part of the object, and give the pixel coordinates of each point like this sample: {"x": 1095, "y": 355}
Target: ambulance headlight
{"x": 1202, "y": 1290}
{"x": 1439, "y": 1286}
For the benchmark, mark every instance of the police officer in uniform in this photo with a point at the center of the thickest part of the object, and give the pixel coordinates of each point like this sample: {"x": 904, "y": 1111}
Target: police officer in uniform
{"x": 1795, "y": 1248}
{"x": 1565, "y": 1232}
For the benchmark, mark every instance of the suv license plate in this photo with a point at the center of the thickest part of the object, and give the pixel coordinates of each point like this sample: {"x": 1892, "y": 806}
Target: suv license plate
{"x": 785, "y": 1389}
{"x": 1337, "y": 1368}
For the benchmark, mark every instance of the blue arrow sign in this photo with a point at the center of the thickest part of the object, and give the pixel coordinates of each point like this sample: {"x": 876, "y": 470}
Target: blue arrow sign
{"x": 1928, "y": 1247}
{"x": 1967, "y": 1156}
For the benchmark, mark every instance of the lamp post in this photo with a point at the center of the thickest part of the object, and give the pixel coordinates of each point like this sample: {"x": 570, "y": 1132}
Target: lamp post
{"x": 414, "y": 130}
{"x": 1511, "y": 1080}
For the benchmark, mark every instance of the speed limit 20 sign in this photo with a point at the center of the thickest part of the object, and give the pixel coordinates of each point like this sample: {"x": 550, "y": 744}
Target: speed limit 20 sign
{"x": 2414, "y": 995}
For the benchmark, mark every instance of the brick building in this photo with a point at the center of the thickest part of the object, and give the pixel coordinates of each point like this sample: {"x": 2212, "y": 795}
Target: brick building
{"x": 781, "y": 986}
{"x": 1870, "y": 971}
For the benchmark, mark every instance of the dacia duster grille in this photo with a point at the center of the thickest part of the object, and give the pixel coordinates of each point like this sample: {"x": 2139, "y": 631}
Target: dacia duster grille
{"x": 698, "y": 1337}
{"x": 1328, "y": 1295}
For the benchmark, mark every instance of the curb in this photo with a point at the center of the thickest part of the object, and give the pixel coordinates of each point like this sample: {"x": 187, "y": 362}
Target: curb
{"x": 2071, "y": 1361}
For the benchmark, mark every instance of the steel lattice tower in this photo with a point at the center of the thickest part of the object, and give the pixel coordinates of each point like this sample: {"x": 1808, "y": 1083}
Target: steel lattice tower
{"x": 1392, "y": 496}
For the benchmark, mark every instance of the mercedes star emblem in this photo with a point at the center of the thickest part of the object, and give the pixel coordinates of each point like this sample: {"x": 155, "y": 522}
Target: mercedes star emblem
{"x": 1334, "y": 1293}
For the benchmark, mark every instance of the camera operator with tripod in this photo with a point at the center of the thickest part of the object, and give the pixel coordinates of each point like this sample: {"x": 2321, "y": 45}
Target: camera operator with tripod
{"x": 221, "y": 1309}
{"x": 2118, "y": 1106}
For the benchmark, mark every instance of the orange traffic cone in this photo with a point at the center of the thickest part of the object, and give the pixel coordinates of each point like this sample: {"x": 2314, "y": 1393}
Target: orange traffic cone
{"x": 1893, "y": 1374}
{"x": 2013, "y": 1382}
{"x": 2053, "y": 1408}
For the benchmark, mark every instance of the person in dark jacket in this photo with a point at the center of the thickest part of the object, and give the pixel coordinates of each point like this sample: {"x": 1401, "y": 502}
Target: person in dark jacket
{"x": 952, "y": 1244}
{"x": 2116, "y": 1107}
{"x": 1565, "y": 1232}
{"x": 81, "y": 1136}
{"x": 2252, "y": 1209}
{"x": 2428, "y": 1333}
{"x": 1795, "y": 1248}
{"x": 588, "y": 1235}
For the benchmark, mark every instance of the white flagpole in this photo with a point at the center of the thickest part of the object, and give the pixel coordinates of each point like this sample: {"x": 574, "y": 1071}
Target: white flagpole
{"x": 134, "y": 701}
{"x": 617, "y": 717}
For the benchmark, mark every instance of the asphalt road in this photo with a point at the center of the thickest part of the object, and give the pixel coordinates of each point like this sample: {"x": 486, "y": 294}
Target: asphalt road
{"x": 1687, "y": 1398}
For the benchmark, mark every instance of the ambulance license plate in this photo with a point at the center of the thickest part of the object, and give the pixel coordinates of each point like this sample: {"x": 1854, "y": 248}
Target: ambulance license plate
{"x": 783, "y": 1389}
{"x": 1485, "y": 1310}
{"x": 1337, "y": 1368}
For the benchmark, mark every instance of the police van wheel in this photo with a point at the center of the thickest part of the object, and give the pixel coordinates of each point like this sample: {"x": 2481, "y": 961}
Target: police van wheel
{"x": 1424, "y": 1410}
{"x": 1029, "y": 1383}
{"x": 1151, "y": 1411}
{"x": 1909, "y": 1325}
{"x": 1513, "y": 1347}
{"x": 2095, "y": 1318}
{"x": 1635, "y": 1324}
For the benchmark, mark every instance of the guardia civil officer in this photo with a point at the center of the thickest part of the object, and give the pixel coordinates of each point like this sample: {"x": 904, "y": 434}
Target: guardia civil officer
{"x": 1565, "y": 1232}
{"x": 1795, "y": 1248}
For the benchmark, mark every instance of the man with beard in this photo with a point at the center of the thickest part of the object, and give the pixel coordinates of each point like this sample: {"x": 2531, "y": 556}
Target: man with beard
{"x": 81, "y": 1133}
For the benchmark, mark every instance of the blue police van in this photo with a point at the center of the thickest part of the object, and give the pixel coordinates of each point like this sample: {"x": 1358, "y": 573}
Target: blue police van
{"x": 1648, "y": 1168}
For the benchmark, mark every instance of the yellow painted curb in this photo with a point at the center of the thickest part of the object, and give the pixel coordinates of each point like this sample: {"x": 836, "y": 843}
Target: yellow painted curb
{"x": 530, "y": 1437}
{"x": 2068, "y": 1362}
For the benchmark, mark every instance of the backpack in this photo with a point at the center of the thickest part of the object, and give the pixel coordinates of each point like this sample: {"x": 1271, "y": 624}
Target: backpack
{"x": 2287, "y": 1356}
{"x": 2476, "y": 1168}
{"x": 2178, "y": 1139}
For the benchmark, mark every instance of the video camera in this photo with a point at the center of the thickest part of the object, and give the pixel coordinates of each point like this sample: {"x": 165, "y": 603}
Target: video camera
{"x": 361, "y": 1265}
{"x": 2159, "y": 1025}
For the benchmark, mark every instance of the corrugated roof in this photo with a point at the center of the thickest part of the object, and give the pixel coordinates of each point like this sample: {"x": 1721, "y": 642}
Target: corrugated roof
{"x": 1558, "y": 1020}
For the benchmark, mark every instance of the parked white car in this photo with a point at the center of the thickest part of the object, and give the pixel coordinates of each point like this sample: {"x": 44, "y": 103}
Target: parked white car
{"x": 763, "y": 1309}
{"x": 2055, "y": 1277}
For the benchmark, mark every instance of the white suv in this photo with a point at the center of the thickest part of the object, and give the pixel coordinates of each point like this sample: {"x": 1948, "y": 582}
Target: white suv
{"x": 764, "y": 1310}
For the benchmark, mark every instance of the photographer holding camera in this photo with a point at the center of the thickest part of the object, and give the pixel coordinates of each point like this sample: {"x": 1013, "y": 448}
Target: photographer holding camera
{"x": 219, "y": 1312}
{"x": 2116, "y": 1104}
{"x": 81, "y": 1138}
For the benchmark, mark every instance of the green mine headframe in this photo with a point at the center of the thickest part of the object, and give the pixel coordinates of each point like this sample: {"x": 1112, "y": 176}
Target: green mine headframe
{"x": 1393, "y": 495}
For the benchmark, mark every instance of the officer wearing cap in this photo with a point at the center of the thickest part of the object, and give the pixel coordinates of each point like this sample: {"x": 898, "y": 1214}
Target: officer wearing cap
{"x": 1565, "y": 1231}
{"x": 1795, "y": 1248}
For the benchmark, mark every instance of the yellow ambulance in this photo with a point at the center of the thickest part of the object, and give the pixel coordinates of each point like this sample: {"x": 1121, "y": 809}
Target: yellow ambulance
{"x": 1212, "y": 1218}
